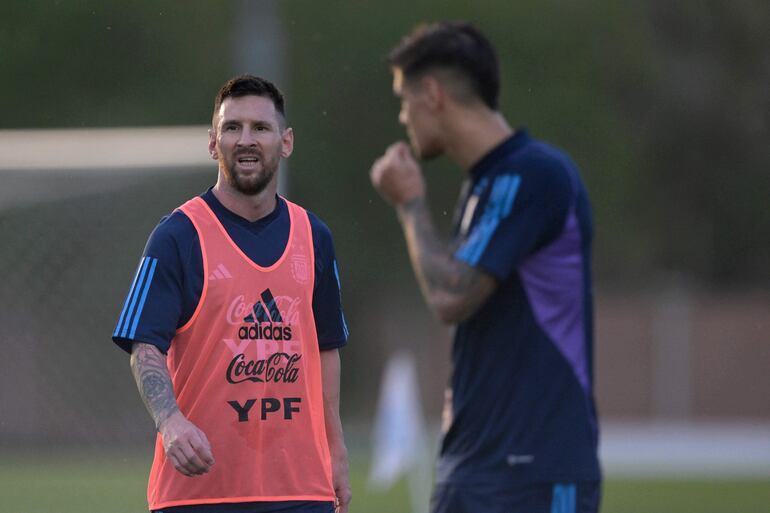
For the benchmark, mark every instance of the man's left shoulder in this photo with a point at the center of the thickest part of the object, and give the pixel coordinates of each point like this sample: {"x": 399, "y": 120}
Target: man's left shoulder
{"x": 541, "y": 156}
{"x": 320, "y": 230}
{"x": 322, "y": 234}
{"x": 544, "y": 170}
{"x": 323, "y": 244}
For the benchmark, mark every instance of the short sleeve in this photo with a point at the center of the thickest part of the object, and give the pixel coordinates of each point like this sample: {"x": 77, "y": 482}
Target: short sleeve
{"x": 154, "y": 305}
{"x": 331, "y": 327}
{"x": 520, "y": 213}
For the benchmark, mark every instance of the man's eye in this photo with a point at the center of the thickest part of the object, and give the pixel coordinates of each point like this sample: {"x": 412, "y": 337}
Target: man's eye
{"x": 230, "y": 128}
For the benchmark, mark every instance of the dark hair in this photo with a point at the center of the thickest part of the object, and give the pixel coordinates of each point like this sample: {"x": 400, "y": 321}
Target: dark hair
{"x": 249, "y": 85}
{"x": 455, "y": 46}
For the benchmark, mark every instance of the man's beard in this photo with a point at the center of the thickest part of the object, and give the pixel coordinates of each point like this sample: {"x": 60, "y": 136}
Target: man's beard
{"x": 423, "y": 151}
{"x": 428, "y": 154}
{"x": 255, "y": 183}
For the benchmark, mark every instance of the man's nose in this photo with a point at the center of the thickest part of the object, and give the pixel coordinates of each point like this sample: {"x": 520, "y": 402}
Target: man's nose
{"x": 247, "y": 138}
{"x": 402, "y": 118}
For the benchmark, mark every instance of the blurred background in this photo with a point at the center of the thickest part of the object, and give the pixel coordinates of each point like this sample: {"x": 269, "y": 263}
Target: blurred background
{"x": 664, "y": 105}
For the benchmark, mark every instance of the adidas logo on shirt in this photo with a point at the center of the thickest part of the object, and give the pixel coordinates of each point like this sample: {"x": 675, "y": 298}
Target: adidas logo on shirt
{"x": 220, "y": 273}
{"x": 265, "y": 311}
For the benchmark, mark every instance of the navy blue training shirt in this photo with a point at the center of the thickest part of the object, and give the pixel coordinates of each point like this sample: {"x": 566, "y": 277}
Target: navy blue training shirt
{"x": 522, "y": 383}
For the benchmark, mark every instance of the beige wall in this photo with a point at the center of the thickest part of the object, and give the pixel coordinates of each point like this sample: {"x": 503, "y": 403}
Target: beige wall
{"x": 729, "y": 355}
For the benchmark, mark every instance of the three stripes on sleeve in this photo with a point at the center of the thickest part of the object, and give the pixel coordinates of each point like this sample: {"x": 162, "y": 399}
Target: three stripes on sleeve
{"x": 132, "y": 309}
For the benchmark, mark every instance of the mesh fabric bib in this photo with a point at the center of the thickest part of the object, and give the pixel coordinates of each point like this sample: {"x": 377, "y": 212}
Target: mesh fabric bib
{"x": 246, "y": 370}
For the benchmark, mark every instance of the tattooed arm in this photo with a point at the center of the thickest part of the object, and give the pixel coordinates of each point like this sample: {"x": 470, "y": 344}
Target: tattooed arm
{"x": 452, "y": 289}
{"x": 148, "y": 365}
{"x": 186, "y": 446}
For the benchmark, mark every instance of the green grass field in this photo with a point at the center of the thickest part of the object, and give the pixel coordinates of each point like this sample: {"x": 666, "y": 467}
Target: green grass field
{"x": 96, "y": 484}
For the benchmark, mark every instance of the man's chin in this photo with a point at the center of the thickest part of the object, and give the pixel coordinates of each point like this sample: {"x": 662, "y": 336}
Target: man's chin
{"x": 251, "y": 185}
{"x": 424, "y": 153}
{"x": 250, "y": 188}
{"x": 249, "y": 182}
{"x": 428, "y": 153}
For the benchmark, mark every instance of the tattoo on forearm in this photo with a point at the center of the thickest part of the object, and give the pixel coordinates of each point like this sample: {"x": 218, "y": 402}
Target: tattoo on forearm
{"x": 431, "y": 257}
{"x": 151, "y": 374}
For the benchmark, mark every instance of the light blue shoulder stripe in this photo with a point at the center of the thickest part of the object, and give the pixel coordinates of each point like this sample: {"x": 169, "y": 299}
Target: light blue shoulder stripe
{"x": 144, "y": 297}
{"x": 337, "y": 275}
{"x": 564, "y": 498}
{"x": 134, "y": 299}
{"x": 339, "y": 288}
{"x": 499, "y": 205}
{"x": 139, "y": 270}
{"x": 513, "y": 188}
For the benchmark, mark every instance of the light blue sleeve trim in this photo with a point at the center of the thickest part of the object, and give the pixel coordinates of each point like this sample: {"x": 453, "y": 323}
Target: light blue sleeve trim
{"x": 499, "y": 205}
{"x": 139, "y": 273}
{"x": 144, "y": 297}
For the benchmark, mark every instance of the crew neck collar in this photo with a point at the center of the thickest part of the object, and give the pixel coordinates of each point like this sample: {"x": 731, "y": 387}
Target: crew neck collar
{"x": 221, "y": 210}
{"x": 511, "y": 144}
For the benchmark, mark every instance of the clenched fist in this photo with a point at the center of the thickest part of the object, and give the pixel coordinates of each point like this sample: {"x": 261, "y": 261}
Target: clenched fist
{"x": 186, "y": 446}
{"x": 397, "y": 175}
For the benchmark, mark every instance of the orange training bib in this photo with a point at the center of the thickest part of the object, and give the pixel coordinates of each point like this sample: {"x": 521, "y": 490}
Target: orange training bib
{"x": 246, "y": 370}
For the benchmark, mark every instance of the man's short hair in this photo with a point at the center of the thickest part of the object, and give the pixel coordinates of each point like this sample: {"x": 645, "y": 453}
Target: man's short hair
{"x": 250, "y": 85}
{"x": 457, "y": 47}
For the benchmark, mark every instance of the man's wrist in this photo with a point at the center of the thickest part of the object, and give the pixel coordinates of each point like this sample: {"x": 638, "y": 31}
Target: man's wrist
{"x": 410, "y": 207}
{"x": 162, "y": 421}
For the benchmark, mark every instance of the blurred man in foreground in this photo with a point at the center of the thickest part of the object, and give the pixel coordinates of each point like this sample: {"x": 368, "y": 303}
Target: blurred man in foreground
{"x": 521, "y": 429}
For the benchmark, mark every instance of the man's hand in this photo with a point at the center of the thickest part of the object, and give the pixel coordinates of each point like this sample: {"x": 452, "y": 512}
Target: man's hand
{"x": 397, "y": 175}
{"x": 330, "y": 377}
{"x": 341, "y": 481}
{"x": 186, "y": 446}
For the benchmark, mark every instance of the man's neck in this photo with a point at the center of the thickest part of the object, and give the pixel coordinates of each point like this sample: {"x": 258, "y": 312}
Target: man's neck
{"x": 251, "y": 208}
{"x": 476, "y": 133}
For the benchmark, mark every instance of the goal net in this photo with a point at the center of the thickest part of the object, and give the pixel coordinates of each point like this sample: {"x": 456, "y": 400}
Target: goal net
{"x": 76, "y": 208}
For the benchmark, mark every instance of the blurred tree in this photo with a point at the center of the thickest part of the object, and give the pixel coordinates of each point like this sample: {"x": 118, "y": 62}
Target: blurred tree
{"x": 704, "y": 126}
{"x": 90, "y": 63}
{"x": 664, "y": 107}
{"x": 561, "y": 66}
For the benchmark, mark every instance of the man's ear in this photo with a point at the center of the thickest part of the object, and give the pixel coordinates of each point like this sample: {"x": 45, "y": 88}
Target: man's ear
{"x": 433, "y": 91}
{"x": 287, "y": 142}
{"x": 213, "y": 144}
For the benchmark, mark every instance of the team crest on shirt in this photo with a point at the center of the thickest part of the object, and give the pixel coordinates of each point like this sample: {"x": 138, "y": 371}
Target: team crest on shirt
{"x": 299, "y": 268}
